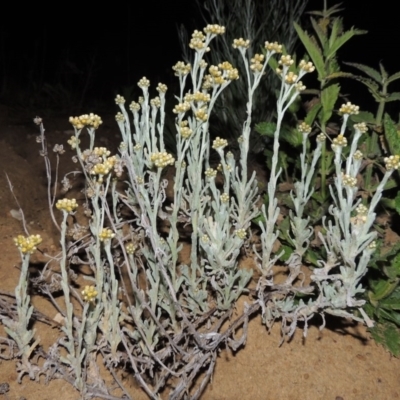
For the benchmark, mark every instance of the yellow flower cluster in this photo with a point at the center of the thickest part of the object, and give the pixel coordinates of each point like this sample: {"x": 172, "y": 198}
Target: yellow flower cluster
{"x": 89, "y": 294}
{"x": 358, "y": 155}
{"x": 306, "y": 66}
{"x": 219, "y": 143}
{"x": 275, "y": 47}
{"x": 156, "y": 102}
{"x": 290, "y": 77}
{"x": 286, "y": 60}
{"x": 103, "y": 168}
{"x": 214, "y": 29}
{"x": 201, "y": 115}
{"x": 144, "y": 83}
{"x": 68, "y": 205}
{"x": 134, "y": 106}
{"x": 73, "y": 142}
{"x": 210, "y": 173}
{"x": 27, "y": 245}
{"x": 299, "y": 86}
{"x": 119, "y": 117}
{"x": 198, "y": 97}
{"x": 91, "y": 120}
{"x": 340, "y": 140}
{"x": 218, "y": 75}
{"x": 372, "y": 245}
{"x": 162, "y": 159}
{"x": 205, "y": 239}
{"x": 349, "y": 109}
{"x": 241, "y": 233}
{"x": 137, "y": 147}
{"x": 181, "y": 108}
{"x": 362, "y": 127}
{"x": 224, "y": 197}
{"x": 181, "y": 69}
{"x": 106, "y": 234}
{"x": 361, "y": 210}
{"x": 119, "y": 99}
{"x": 101, "y": 151}
{"x": 241, "y": 43}
{"x": 321, "y": 138}
{"x": 304, "y": 128}
{"x": 198, "y": 41}
{"x": 392, "y": 162}
{"x": 130, "y": 248}
{"x": 161, "y": 88}
{"x": 257, "y": 63}
{"x": 349, "y": 180}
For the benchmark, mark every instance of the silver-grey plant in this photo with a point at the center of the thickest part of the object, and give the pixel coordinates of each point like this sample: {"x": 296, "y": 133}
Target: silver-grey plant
{"x": 144, "y": 305}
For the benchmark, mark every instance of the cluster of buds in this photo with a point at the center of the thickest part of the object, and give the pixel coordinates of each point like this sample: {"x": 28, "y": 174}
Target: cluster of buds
{"x": 362, "y": 127}
{"x": 224, "y": 197}
{"x": 210, "y": 173}
{"x": 181, "y": 108}
{"x": 144, "y": 83}
{"x": 198, "y": 41}
{"x": 198, "y": 97}
{"x": 90, "y": 120}
{"x": 241, "y": 43}
{"x": 361, "y": 217}
{"x": 27, "y": 245}
{"x": 134, "y": 107}
{"x": 130, "y": 248}
{"x": 184, "y": 129}
{"x": 181, "y": 69}
{"x": 273, "y": 47}
{"x": 392, "y": 162}
{"x": 257, "y": 63}
{"x": 73, "y": 142}
{"x": 241, "y": 233}
{"x": 104, "y": 167}
{"x": 304, "y": 128}
{"x": 214, "y": 29}
{"x": 219, "y": 143}
{"x": 349, "y": 109}
{"x": 162, "y": 159}
{"x": 339, "y": 141}
{"x": 220, "y": 75}
{"x": 89, "y": 294}
{"x": 156, "y": 102}
{"x": 106, "y": 234}
{"x": 306, "y": 66}
{"x": 119, "y": 100}
{"x": 67, "y": 205}
{"x": 348, "y": 180}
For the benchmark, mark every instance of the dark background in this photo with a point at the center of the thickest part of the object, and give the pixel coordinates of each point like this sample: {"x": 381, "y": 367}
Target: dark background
{"x": 77, "y": 54}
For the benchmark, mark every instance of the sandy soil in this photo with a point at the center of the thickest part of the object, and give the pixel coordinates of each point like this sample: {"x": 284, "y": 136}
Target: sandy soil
{"x": 341, "y": 362}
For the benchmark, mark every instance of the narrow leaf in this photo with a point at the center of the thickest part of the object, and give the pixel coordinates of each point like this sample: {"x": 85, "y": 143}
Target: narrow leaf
{"x": 371, "y": 72}
{"x": 395, "y": 96}
{"x": 394, "y": 77}
{"x": 320, "y": 33}
{"x": 340, "y": 41}
{"x": 313, "y": 50}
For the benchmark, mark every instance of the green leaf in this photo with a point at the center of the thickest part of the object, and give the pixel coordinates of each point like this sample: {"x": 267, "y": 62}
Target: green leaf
{"x": 363, "y": 116}
{"x": 394, "y": 77}
{"x": 337, "y": 28}
{"x": 391, "y": 135}
{"x": 395, "y": 96}
{"x": 371, "y": 72}
{"x": 388, "y": 335}
{"x": 311, "y": 257}
{"x": 329, "y": 96}
{"x": 320, "y": 33}
{"x": 397, "y": 202}
{"x": 287, "y": 252}
{"x": 340, "y": 41}
{"x": 382, "y": 289}
{"x": 313, "y": 50}
{"x": 312, "y": 113}
{"x": 266, "y": 128}
{"x": 391, "y": 302}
